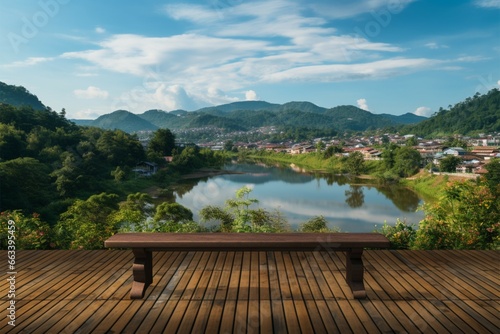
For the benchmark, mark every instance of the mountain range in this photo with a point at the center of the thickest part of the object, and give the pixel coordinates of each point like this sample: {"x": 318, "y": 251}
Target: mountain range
{"x": 476, "y": 114}
{"x": 247, "y": 115}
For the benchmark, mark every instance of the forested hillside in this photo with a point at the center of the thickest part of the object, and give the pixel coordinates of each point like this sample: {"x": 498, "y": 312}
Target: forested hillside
{"x": 477, "y": 114}
{"x": 45, "y": 160}
{"x": 19, "y": 96}
{"x": 248, "y": 115}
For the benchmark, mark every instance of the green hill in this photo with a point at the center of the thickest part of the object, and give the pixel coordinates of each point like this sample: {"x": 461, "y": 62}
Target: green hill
{"x": 243, "y": 105}
{"x": 19, "y": 96}
{"x": 123, "y": 120}
{"x": 302, "y": 106}
{"x": 477, "y": 114}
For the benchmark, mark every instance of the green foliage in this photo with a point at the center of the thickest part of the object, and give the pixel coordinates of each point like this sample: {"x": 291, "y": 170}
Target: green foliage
{"x": 477, "y": 114}
{"x": 406, "y": 161}
{"x": 138, "y": 214}
{"x": 173, "y": 212}
{"x": 29, "y": 232}
{"x": 401, "y": 236}
{"x": 192, "y": 157}
{"x": 355, "y": 163}
{"x": 228, "y": 145}
{"x": 12, "y": 142}
{"x": 449, "y": 164}
{"x": 492, "y": 178}
{"x": 86, "y": 224}
{"x": 19, "y": 96}
{"x": 44, "y": 158}
{"x": 118, "y": 174}
{"x": 466, "y": 217}
{"x": 411, "y": 141}
{"x": 161, "y": 144}
{"x": 25, "y": 184}
{"x": 237, "y": 216}
{"x": 134, "y": 214}
{"x": 317, "y": 224}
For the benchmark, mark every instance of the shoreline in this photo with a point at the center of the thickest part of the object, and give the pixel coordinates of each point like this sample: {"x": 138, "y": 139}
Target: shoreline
{"x": 208, "y": 172}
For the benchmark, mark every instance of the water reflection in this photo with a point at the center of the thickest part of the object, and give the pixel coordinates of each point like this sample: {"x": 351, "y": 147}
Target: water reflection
{"x": 354, "y": 196}
{"x": 352, "y": 204}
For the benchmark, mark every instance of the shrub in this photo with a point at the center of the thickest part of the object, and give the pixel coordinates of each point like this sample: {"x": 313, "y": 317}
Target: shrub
{"x": 401, "y": 235}
{"x": 467, "y": 216}
{"x": 317, "y": 224}
{"x": 29, "y": 233}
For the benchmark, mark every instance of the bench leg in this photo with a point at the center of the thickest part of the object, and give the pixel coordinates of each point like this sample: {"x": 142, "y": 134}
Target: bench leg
{"x": 143, "y": 272}
{"x": 354, "y": 273}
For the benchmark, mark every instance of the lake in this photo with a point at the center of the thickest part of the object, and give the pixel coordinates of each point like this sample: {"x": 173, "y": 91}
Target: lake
{"x": 354, "y": 205}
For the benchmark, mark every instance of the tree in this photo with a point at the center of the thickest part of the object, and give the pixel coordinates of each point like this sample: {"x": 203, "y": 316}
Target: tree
{"x": 30, "y": 232}
{"x": 389, "y": 155}
{"x": 120, "y": 148}
{"x": 466, "y": 217}
{"x": 118, "y": 174}
{"x": 354, "y": 196}
{"x": 449, "y": 163}
{"x": 162, "y": 144}
{"x": 355, "y": 163}
{"x": 87, "y": 223}
{"x": 316, "y": 224}
{"x": 69, "y": 176}
{"x": 135, "y": 214}
{"x": 237, "y": 216}
{"x": 406, "y": 161}
{"x": 411, "y": 141}
{"x": 320, "y": 146}
{"x": 173, "y": 212}
{"x": 493, "y": 176}
{"x": 12, "y": 142}
{"x": 25, "y": 184}
{"x": 228, "y": 145}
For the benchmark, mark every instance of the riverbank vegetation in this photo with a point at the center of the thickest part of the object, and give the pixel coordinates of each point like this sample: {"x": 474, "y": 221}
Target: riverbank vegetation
{"x": 71, "y": 187}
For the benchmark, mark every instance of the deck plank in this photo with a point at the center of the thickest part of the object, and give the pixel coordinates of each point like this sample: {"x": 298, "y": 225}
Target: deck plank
{"x": 256, "y": 292}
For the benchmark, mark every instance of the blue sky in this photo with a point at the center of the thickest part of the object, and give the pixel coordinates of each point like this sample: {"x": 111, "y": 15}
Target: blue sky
{"x": 385, "y": 56}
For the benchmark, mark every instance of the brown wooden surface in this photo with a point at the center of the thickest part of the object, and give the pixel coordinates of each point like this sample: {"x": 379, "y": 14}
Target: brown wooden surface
{"x": 255, "y": 292}
{"x": 247, "y": 241}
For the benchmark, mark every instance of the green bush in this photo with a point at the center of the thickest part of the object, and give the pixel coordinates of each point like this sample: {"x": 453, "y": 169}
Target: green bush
{"x": 29, "y": 232}
{"x": 401, "y": 235}
{"x": 317, "y": 224}
{"x": 467, "y": 216}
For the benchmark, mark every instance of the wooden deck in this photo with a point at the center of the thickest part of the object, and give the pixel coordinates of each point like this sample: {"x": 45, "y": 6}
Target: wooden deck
{"x": 255, "y": 292}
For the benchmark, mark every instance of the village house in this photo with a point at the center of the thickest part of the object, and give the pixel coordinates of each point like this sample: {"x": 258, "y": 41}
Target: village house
{"x": 485, "y": 151}
{"x": 456, "y": 151}
{"x": 369, "y": 153}
{"x": 145, "y": 168}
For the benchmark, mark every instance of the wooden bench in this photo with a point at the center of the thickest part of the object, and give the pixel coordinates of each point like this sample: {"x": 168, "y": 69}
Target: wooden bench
{"x": 143, "y": 244}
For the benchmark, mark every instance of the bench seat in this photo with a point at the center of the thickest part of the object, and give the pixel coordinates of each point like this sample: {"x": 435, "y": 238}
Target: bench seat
{"x": 142, "y": 245}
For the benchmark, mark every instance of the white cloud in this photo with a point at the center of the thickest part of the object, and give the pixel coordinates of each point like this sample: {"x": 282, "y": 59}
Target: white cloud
{"x": 87, "y": 114}
{"x": 100, "y": 30}
{"x": 472, "y": 59}
{"x": 423, "y": 111}
{"x": 434, "y": 45}
{"x": 362, "y": 104}
{"x": 195, "y": 13}
{"x": 488, "y": 3}
{"x": 347, "y": 72}
{"x": 31, "y": 61}
{"x": 214, "y": 63}
{"x": 250, "y": 95}
{"x": 91, "y": 93}
{"x": 347, "y": 8}
{"x": 498, "y": 83}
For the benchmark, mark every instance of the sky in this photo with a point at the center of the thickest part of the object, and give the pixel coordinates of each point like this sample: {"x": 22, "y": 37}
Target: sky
{"x": 384, "y": 56}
